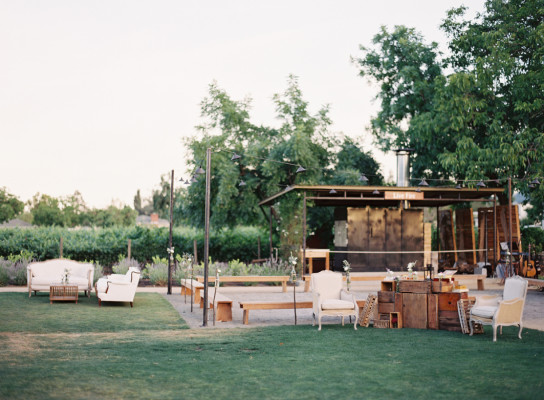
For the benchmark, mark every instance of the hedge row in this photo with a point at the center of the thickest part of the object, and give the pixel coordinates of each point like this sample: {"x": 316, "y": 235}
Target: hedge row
{"x": 105, "y": 245}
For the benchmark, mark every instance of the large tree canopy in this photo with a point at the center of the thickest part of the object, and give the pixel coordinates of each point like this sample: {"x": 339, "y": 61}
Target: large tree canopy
{"x": 477, "y": 113}
{"x": 270, "y": 157}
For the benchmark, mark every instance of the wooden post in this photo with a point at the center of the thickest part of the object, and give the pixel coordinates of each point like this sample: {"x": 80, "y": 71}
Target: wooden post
{"x": 510, "y": 222}
{"x": 270, "y": 238}
{"x": 303, "y": 235}
{"x": 494, "y": 232}
{"x": 195, "y": 251}
{"x": 170, "y": 251}
{"x": 61, "y": 246}
{"x": 129, "y": 249}
{"x": 259, "y": 247}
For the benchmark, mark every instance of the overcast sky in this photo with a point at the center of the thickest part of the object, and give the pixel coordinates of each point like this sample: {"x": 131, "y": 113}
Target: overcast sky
{"x": 97, "y": 96}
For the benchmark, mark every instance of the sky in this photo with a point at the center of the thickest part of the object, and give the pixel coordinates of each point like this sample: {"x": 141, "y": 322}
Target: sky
{"x": 99, "y": 96}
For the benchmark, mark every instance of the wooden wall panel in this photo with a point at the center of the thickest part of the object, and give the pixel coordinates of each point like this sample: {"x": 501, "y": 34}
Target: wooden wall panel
{"x": 393, "y": 238}
{"x": 464, "y": 232}
{"x": 358, "y": 233}
{"x": 376, "y": 240}
{"x": 447, "y": 238}
{"x": 502, "y": 230}
{"x": 412, "y": 237}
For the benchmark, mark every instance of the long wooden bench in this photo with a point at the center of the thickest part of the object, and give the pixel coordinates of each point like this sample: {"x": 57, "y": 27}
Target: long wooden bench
{"x": 535, "y": 282}
{"x": 480, "y": 279}
{"x": 224, "y": 306}
{"x": 246, "y": 306}
{"x": 249, "y": 278}
{"x": 187, "y": 284}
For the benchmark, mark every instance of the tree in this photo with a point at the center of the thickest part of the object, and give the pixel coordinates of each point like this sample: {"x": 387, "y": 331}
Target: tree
{"x": 46, "y": 211}
{"x": 483, "y": 120}
{"x": 10, "y": 205}
{"x": 270, "y": 158}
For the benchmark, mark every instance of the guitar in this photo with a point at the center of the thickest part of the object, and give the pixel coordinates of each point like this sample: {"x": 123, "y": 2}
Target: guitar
{"x": 529, "y": 270}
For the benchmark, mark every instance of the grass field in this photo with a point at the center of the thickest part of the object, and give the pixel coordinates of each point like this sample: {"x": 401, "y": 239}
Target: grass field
{"x": 82, "y": 351}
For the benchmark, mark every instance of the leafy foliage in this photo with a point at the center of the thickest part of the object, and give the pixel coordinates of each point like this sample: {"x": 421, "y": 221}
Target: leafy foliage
{"x": 270, "y": 157}
{"x": 484, "y": 118}
{"x": 106, "y": 245}
{"x": 10, "y": 206}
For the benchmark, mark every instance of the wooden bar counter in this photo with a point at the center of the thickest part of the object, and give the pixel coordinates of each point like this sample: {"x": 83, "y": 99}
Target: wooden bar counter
{"x": 417, "y": 306}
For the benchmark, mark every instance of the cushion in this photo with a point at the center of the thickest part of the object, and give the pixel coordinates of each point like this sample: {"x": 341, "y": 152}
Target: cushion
{"x": 334, "y": 304}
{"x": 483, "y": 311}
{"x": 46, "y": 281}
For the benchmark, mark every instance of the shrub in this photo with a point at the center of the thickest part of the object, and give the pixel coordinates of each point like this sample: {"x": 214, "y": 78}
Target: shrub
{"x": 4, "y": 276}
{"x": 123, "y": 265}
{"x": 158, "y": 271}
{"x": 105, "y": 245}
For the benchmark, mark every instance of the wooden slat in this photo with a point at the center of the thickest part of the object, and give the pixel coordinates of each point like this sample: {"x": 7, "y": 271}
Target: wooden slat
{"x": 412, "y": 237}
{"x": 376, "y": 239}
{"x": 464, "y": 230}
{"x": 447, "y": 238}
{"x": 393, "y": 239}
{"x": 358, "y": 233}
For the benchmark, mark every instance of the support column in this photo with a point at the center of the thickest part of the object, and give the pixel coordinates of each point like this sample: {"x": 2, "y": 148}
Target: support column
{"x": 207, "y": 235}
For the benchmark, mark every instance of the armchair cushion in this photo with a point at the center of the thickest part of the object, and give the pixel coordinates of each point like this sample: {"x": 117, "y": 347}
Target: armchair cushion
{"x": 334, "y": 304}
{"x": 484, "y": 311}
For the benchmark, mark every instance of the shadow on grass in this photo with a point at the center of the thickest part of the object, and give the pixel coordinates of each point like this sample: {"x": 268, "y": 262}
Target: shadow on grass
{"x": 36, "y": 315}
{"x": 286, "y": 362}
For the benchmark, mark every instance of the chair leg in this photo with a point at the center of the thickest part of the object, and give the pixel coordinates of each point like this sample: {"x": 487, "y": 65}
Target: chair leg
{"x": 342, "y": 320}
{"x": 319, "y": 322}
{"x": 99, "y": 302}
{"x": 131, "y": 304}
{"x": 313, "y": 322}
{"x": 355, "y": 323}
{"x": 520, "y": 328}
{"x": 471, "y": 323}
{"x": 494, "y": 333}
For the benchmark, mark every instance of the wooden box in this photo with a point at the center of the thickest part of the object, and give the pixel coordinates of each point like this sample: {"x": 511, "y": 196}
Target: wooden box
{"x": 389, "y": 286}
{"x": 386, "y": 308}
{"x": 395, "y": 320}
{"x": 415, "y": 286}
{"x": 386, "y": 297}
{"x": 441, "y": 286}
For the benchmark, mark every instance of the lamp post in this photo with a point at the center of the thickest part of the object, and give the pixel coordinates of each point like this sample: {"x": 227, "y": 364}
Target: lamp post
{"x": 170, "y": 248}
{"x": 206, "y": 235}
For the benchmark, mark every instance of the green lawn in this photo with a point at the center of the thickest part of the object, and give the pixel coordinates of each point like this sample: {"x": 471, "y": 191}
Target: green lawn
{"x": 145, "y": 352}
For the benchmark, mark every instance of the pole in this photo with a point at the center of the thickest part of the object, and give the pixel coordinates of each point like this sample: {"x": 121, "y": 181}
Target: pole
{"x": 206, "y": 235}
{"x": 510, "y": 222}
{"x": 304, "y": 235}
{"x": 170, "y": 250}
{"x": 270, "y": 238}
{"x": 129, "y": 249}
{"x": 195, "y": 251}
{"x": 494, "y": 231}
{"x": 438, "y": 233}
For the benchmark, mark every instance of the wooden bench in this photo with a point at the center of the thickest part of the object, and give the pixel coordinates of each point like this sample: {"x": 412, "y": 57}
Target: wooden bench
{"x": 249, "y": 278}
{"x": 246, "y": 306}
{"x": 186, "y": 285}
{"x": 535, "y": 282}
{"x": 224, "y": 306}
{"x": 480, "y": 279}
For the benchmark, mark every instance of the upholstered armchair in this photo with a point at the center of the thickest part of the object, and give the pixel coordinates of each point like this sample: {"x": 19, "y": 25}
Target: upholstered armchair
{"x": 329, "y": 298}
{"x": 118, "y": 287}
{"x": 505, "y": 311}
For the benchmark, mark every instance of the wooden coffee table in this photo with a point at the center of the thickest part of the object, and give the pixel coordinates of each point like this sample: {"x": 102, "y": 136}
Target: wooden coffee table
{"x": 63, "y": 293}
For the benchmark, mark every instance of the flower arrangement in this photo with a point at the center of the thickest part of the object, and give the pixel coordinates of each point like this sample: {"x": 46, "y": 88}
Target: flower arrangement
{"x": 293, "y": 262}
{"x": 390, "y": 274}
{"x": 65, "y": 276}
{"x": 413, "y": 274}
{"x": 347, "y": 270}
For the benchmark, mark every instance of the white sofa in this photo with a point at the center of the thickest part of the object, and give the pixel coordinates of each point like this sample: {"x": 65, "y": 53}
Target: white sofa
{"x": 118, "y": 287}
{"x": 43, "y": 274}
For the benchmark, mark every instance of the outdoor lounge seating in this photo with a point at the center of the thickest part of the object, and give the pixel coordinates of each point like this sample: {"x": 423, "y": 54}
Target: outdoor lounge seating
{"x": 44, "y": 274}
{"x": 118, "y": 287}
{"x": 492, "y": 310}
{"x": 329, "y": 298}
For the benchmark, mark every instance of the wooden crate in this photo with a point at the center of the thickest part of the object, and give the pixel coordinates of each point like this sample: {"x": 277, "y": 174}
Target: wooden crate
{"x": 389, "y": 286}
{"x": 441, "y": 286}
{"x": 386, "y": 308}
{"x": 415, "y": 286}
{"x": 386, "y": 297}
{"x": 395, "y": 320}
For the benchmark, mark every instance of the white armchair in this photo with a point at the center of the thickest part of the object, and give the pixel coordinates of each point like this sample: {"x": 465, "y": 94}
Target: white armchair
{"x": 118, "y": 287}
{"x": 492, "y": 310}
{"x": 329, "y": 297}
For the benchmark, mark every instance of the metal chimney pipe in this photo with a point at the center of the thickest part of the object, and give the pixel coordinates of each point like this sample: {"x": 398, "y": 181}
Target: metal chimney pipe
{"x": 403, "y": 167}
